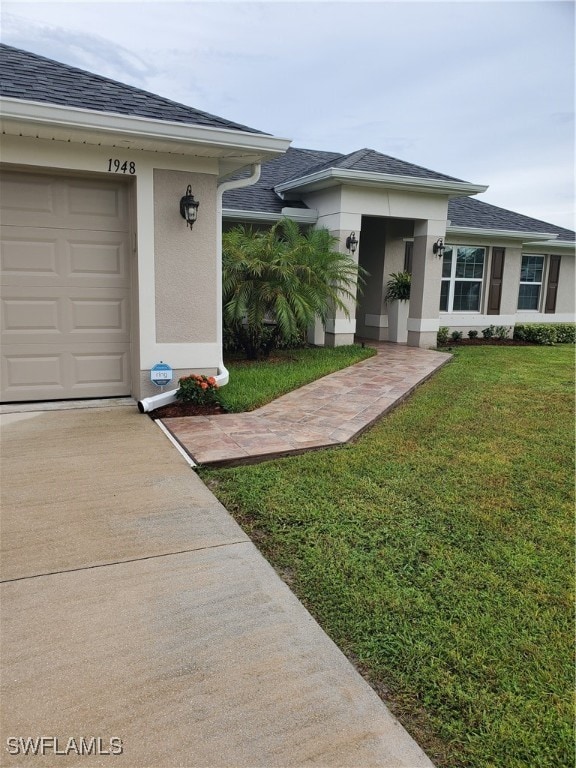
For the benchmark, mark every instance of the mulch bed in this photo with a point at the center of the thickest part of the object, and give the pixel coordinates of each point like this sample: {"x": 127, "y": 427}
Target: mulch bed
{"x": 487, "y": 343}
{"x": 177, "y": 409}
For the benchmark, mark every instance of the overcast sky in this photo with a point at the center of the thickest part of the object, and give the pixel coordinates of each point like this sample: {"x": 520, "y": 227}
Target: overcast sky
{"x": 483, "y": 91}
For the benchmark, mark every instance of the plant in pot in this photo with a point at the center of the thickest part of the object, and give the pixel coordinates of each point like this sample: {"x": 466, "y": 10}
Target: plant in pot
{"x": 397, "y": 298}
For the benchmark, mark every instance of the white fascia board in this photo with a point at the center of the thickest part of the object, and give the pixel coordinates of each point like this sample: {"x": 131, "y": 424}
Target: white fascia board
{"x": 73, "y": 118}
{"x": 513, "y": 234}
{"x": 567, "y": 244}
{"x": 299, "y": 215}
{"x": 333, "y": 176}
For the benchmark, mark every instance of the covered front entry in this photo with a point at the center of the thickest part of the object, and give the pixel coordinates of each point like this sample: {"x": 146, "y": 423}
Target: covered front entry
{"x": 65, "y": 287}
{"x": 386, "y": 247}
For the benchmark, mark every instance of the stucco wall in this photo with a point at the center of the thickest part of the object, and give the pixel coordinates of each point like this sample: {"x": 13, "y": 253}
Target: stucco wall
{"x": 179, "y": 326}
{"x": 184, "y": 259}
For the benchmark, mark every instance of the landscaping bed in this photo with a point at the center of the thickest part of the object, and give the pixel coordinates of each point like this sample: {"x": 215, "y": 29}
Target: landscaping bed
{"x": 254, "y": 383}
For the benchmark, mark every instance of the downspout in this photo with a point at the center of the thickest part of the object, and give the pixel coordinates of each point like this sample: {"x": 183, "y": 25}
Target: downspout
{"x": 150, "y": 403}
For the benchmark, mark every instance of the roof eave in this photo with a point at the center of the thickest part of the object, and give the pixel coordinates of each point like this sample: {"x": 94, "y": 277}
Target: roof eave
{"x": 512, "y": 234}
{"x": 299, "y": 215}
{"x": 335, "y": 176}
{"x": 133, "y": 131}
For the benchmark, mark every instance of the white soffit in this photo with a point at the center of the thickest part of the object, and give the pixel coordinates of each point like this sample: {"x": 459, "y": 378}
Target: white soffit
{"x": 84, "y": 126}
{"x": 513, "y": 234}
{"x": 299, "y": 215}
{"x": 335, "y": 176}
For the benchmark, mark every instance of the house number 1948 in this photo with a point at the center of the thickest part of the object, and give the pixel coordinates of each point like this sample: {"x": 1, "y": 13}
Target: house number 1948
{"x": 116, "y": 166}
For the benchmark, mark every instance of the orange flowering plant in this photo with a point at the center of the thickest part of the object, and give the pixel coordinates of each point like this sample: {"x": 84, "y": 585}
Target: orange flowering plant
{"x": 198, "y": 389}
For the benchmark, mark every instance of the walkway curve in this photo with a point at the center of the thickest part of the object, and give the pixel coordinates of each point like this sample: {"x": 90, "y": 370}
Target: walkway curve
{"x": 330, "y": 411}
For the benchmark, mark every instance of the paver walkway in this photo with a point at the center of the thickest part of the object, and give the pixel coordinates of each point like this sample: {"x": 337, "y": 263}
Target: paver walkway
{"x": 330, "y": 411}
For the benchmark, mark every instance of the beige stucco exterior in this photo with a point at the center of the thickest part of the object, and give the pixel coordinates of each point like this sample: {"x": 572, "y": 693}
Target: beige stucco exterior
{"x": 174, "y": 271}
{"x": 509, "y": 314}
{"x": 382, "y": 218}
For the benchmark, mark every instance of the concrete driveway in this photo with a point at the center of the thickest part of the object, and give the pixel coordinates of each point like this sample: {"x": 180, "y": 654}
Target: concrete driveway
{"x": 139, "y": 623}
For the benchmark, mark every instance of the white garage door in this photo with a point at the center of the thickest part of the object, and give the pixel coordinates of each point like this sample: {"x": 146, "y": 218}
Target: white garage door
{"x": 65, "y": 288}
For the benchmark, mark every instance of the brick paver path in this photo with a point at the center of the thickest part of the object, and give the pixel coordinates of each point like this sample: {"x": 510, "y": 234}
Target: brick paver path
{"x": 330, "y": 411}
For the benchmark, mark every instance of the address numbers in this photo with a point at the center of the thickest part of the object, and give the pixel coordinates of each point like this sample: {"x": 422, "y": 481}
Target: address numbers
{"x": 117, "y": 166}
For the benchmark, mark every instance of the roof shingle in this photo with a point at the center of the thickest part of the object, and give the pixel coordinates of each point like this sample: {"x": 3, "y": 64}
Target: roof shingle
{"x": 25, "y": 75}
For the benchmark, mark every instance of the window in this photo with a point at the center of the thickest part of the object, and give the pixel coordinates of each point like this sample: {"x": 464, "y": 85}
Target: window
{"x": 462, "y": 275}
{"x": 530, "y": 282}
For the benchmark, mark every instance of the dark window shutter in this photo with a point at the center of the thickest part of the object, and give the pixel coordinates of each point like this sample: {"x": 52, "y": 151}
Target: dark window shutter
{"x": 408, "y": 250}
{"x": 552, "y": 289}
{"x": 495, "y": 289}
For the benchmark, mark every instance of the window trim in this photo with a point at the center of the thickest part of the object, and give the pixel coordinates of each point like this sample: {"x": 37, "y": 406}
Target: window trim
{"x": 541, "y": 284}
{"x": 453, "y": 279}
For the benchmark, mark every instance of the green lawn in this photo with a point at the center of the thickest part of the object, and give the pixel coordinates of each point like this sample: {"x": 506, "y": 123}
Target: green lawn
{"x": 437, "y": 552}
{"x": 253, "y": 384}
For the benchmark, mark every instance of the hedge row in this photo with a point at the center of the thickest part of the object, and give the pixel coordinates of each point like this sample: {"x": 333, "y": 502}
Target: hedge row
{"x": 546, "y": 333}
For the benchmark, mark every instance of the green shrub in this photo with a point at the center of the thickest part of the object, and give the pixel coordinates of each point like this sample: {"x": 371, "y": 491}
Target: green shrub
{"x": 198, "y": 389}
{"x": 456, "y": 335}
{"x": 472, "y": 334}
{"x": 443, "y": 335}
{"x": 501, "y": 332}
{"x": 545, "y": 333}
{"x": 565, "y": 333}
{"x": 488, "y": 333}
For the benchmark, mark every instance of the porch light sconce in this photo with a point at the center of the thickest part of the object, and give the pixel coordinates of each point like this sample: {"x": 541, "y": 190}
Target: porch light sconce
{"x": 438, "y": 248}
{"x": 189, "y": 207}
{"x": 352, "y": 242}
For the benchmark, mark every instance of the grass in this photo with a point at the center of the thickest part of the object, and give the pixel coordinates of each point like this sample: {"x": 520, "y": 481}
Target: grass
{"x": 253, "y": 384}
{"x": 437, "y": 552}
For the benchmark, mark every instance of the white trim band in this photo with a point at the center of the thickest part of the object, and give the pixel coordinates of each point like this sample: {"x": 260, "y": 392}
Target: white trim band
{"x": 423, "y": 325}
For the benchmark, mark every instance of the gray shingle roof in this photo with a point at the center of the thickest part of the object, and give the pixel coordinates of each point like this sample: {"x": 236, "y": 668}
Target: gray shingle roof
{"x": 375, "y": 162}
{"x": 25, "y": 75}
{"x": 468, "y": 212}
{"x": 261, "y": 196}
{"x": 462, "y": 211}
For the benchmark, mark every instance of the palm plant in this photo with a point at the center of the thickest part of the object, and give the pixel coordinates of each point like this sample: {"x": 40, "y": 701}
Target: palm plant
{"x": 276, "y": 282}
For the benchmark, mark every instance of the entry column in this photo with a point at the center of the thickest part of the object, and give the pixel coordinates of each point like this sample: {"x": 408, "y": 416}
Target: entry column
{"x": 423, "y": 317}
{"x": 340, "y": 329}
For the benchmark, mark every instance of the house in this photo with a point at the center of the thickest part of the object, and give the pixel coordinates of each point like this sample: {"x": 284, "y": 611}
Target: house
{"x": 103, "y": 277}
{"x": 497, "y": 267}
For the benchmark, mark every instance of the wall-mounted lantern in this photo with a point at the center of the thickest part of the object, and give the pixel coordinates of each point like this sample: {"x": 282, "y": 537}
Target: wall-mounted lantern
{"x": 352, "y": 242}
{"x": 189, "y": 207}
{"x": 438, "y": 248}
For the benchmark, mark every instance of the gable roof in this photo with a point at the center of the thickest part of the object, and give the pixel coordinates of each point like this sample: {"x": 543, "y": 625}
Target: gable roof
{"x": 28, "y": 76}
{"x": 375, "y": 162}
{"x": 298, "y": 163}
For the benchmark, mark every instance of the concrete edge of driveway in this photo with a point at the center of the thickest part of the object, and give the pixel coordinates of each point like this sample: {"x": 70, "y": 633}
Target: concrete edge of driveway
{"x": 138, "y": 609}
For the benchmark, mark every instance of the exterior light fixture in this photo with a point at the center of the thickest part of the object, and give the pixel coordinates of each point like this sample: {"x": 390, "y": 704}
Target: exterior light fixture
{"x": 438, "y": 248}
{"x": 352, "y": 242}
{"x": 189, "y": 207}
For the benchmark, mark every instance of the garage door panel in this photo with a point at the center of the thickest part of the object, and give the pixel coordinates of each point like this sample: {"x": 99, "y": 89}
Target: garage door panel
{"x": 65, "y": 276}
{"x": 22, "y": 316}
{"x": 42, "y": 256}
{"x": 28, "y": 256}
{"x": 25, "y": 198}
{"x": 63, "y": 203}
{"x": 100, "y": 368}
{"x": 83, "y": 370}
{"x": 61, "y": 314}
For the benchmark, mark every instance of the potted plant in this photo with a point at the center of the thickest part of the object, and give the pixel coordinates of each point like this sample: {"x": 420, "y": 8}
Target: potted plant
{"x": 397, "y": 298}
